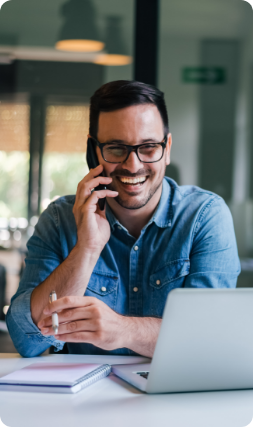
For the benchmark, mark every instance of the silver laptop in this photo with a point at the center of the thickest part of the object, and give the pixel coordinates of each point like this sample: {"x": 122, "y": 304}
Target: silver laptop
{"x": 205, "y": 343}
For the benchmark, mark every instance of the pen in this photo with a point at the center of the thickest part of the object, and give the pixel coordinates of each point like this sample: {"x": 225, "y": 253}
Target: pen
{"x": 55, "y": 320}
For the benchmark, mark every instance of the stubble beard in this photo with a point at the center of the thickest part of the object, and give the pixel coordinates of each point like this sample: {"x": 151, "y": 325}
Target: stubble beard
{"x": 128, "y": 204}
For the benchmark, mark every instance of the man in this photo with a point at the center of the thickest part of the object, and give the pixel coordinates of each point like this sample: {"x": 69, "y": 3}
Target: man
{"x": 113, "y": 269}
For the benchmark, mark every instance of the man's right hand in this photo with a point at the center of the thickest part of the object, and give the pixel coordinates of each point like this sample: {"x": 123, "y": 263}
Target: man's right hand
{"x": 93, "y": 232}
{"x": 93, "y": 229}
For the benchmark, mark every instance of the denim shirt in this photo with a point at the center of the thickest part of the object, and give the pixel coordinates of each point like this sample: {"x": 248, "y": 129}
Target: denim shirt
{"x": 189, "y": 242}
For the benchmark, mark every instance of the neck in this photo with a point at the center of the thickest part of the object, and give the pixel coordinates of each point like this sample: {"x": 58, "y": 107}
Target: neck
{"x": 135, "y": 219}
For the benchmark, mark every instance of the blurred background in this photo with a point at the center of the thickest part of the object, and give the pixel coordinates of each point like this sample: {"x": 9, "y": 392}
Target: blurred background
{"x": 54, "y": 54}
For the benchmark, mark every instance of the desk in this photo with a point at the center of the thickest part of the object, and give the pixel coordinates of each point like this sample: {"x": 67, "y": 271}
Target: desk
{"x": 113, "y": 403}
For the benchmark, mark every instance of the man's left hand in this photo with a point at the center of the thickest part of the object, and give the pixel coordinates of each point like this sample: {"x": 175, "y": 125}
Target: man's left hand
{"x": 86, "y": 320}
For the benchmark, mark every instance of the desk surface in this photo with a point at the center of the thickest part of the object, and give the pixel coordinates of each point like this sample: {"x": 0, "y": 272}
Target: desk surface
{"x": 113, "y": 403}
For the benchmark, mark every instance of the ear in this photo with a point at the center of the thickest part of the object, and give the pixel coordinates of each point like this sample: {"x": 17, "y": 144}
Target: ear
{"x": 168, "y": 148}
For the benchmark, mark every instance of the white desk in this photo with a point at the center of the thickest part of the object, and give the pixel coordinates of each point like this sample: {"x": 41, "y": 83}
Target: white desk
{"x": 113, "y": 403}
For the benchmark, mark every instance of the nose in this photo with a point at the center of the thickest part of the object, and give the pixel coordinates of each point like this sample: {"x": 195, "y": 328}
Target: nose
{"x": 133, "y": 164}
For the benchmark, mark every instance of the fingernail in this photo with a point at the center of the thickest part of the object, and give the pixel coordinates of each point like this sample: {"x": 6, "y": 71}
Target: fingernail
{"x": 41, "y": 324}
{"x": 46, "y": 311}
{"x": 44, "y": 330}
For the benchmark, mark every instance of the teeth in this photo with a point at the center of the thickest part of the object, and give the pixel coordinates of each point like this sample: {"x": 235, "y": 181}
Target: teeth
{"x": 133, "y": 180}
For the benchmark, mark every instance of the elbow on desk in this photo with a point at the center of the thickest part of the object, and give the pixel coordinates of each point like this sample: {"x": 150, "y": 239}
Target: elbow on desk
{"x": 27, "y": 345}
{"x": 27, "y": 353}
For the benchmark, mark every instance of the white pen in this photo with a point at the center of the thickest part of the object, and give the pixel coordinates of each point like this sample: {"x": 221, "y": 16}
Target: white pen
{"x": 55, "y": 320}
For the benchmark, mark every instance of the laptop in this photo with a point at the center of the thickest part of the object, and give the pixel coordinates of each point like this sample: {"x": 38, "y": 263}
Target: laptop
{"x": 205, "y": 343}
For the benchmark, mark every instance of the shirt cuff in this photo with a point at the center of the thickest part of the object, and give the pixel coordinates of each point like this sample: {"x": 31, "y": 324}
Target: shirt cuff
{"x": 21, "y": 311}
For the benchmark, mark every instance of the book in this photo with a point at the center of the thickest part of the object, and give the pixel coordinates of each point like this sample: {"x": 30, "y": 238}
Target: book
{"x": 54, "y": 377}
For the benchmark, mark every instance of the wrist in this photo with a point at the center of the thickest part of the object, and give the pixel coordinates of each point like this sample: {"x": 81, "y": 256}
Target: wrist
{"x": 127, "y": 331}
{"x": 84, "y": 255}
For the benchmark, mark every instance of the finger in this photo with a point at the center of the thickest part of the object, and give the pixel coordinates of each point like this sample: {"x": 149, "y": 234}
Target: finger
{"x": 68, "y": 302}
{"x": 84, "y": 188}
{"x": 84, "y": 337}
{"x": 92, "y": 201}
{"x": 93, "y": 173}
{"x": 68, "y": 315}
{"x": 71, "y": 327}
{"x": 90, "y": 175}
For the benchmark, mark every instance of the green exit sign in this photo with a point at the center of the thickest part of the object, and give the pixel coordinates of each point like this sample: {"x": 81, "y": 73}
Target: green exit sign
{"x": 204, "y": 75}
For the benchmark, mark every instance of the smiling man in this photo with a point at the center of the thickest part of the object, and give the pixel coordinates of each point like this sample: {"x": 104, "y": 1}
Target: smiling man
{"x": 113, "y": 269}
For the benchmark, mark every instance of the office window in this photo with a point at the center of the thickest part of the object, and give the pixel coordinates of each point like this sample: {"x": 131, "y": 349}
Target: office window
{"x": 14, "y": 159}
{"x": 64, "y": 160}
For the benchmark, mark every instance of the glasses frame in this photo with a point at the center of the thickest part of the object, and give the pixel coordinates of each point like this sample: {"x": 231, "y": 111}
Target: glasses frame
{"x": 131, "y": 148}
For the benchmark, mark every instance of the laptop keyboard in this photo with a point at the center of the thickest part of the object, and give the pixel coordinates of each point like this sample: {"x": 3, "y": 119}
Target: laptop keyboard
{"x": 143, "y": 374}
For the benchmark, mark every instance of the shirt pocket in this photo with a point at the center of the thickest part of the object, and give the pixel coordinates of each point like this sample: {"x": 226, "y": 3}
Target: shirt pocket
{"x": 103, "y": 287}
{"x": 163, "y": 280}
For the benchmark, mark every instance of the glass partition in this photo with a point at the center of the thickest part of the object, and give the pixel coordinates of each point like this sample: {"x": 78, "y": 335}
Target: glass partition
{"x": 14, "y": 172}
{"x": 14, "y": 175}
{"x": 64, "y": 160}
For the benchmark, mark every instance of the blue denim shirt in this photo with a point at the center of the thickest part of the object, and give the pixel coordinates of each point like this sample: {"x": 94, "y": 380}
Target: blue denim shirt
{"x": 189, "y": 242}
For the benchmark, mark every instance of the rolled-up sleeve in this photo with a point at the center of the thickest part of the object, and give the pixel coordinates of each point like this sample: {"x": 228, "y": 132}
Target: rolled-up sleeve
{"x": 214, "y": 261}
{"x": 44, "y": 256}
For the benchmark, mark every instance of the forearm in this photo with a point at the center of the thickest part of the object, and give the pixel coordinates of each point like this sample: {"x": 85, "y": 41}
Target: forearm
{"x": 140, "y": 334}
{"x": 71, "y": 277}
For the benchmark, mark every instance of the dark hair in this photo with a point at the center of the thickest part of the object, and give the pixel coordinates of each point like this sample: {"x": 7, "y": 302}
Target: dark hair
{"x": 124, "y": 93}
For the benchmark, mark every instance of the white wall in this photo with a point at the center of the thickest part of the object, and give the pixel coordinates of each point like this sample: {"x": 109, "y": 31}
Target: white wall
{"x": 243, "y": 125}
{"x": 182, "y": 102}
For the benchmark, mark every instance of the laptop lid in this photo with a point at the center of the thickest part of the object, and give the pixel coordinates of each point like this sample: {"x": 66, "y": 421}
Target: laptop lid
{"x": 205, "y": 342}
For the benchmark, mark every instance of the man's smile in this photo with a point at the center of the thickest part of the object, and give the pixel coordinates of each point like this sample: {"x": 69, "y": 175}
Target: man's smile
{"x": 132, "y": 181}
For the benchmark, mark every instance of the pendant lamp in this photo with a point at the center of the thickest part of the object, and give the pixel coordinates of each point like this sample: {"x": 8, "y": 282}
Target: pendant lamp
{"x": 116, "y": 51}
{"x": 79, "y": 32}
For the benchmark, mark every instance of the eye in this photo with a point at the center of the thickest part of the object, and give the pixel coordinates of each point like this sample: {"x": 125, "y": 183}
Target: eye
{"x": 116, "y": 150}
{"x": 149, "y": 148}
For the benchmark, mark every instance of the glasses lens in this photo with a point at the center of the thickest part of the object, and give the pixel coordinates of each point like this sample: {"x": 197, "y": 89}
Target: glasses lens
{"x": 114, "y": 153}
{"x": 150, "y": 152}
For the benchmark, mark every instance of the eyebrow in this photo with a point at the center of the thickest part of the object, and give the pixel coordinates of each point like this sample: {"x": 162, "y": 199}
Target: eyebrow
{"x": 120, "y": 141}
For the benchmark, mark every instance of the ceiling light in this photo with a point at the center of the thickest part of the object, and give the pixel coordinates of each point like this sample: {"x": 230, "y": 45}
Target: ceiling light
{"x": 113, "y": 59}
{"x": 79, "y": 45}
{"x": 79, "y": 32}
{"x": 116, "y": 51}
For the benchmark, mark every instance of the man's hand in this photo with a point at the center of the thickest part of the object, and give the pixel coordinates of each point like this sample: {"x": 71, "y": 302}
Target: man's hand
{"x": 93, "y": 229}
{"x": 89, "y": 320}
{"x": 85, "y": 320}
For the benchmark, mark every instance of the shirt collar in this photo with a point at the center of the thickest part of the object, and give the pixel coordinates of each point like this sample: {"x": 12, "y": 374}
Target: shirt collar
{"x": 162, "y": 216}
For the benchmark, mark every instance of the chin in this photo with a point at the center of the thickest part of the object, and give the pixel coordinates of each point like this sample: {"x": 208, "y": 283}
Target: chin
{"x": 132, "y": 204}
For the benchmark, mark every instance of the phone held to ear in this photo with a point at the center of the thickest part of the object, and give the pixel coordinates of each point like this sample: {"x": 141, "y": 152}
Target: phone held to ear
{"x": 92, "y": 161}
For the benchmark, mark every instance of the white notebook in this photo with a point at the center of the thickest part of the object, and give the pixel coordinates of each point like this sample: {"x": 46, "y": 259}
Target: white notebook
{"x": 54, "y": 377}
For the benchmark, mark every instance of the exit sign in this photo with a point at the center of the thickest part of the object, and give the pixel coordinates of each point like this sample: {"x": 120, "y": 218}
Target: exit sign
{"x": 204, "y": 75}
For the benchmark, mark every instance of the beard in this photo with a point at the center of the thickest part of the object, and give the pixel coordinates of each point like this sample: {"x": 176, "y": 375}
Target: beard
{"x": 135, "y": 204}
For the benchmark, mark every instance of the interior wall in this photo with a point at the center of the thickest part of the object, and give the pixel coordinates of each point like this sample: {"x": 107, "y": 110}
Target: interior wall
{"x": 243, "y": 133}
{"x": 182, "y": 101}
{"x": 218, "y": 112}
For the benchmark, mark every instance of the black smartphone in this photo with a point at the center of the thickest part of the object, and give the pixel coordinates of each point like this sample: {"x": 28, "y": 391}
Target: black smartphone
{"x": 92, "y": 161}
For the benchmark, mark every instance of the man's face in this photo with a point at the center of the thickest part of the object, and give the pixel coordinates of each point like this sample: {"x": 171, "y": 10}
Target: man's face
{"x": 133, "y": 126}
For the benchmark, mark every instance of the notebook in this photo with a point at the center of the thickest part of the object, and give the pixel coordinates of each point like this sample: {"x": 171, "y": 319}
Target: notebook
{"x": 54, "y": 377}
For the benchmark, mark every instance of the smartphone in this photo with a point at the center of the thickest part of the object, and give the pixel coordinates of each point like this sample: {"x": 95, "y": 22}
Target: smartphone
{"x": 92, "y": 161}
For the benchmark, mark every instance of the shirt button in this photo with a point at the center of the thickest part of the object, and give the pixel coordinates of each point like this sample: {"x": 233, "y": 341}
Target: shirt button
{"x": 103, "y": 289}
{"x": 135, "y": 289}
{"x": 119, "y": 227}
{"x": 158, "y": 282}
{"x": 136, "y": 248}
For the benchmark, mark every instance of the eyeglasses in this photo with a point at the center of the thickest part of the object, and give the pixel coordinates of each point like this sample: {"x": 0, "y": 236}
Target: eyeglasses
{"x": 119, "y": 153}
